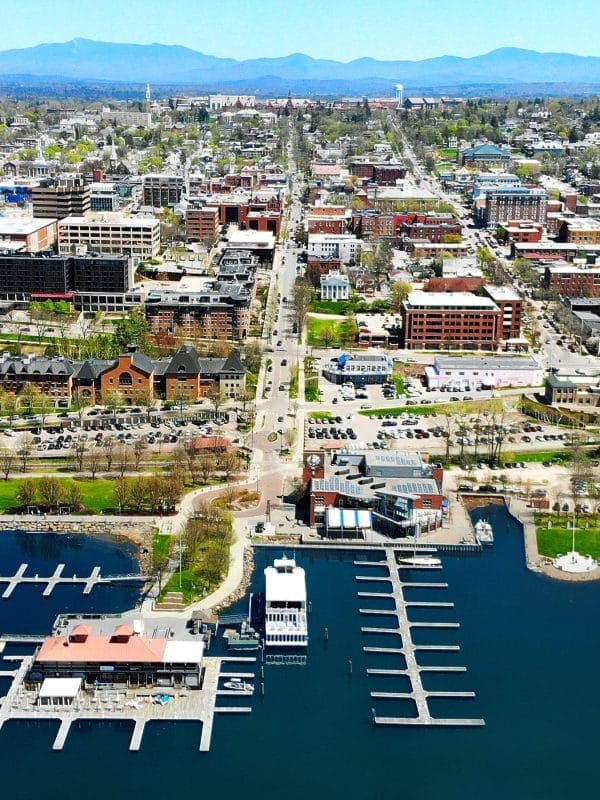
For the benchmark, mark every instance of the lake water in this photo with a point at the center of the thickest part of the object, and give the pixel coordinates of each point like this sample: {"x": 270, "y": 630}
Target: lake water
{"x": 530, "y": 646}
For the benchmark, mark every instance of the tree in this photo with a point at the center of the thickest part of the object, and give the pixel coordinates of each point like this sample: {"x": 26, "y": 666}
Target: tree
{"x": 40, "y": 318}
{"x": 382, "y": 260}
{"x": 123, "y": 460}
{"x": 121, "y": 493}
{"x": 50, "y": 491}
{"x": 215, "y": 396}
{"x": 139, "y": 448}
{"x": 7, "y": 461}
{"x": 25, "y": 450}
{"x": 26, "y": 494}
{"x": 108, "y": 449}
{"x": 144, "y": 398}
{"x": 302, "y": 294}
{"x": 80, "y": 450}
{"x": 180, "y": 398}
{"x": 29, "y": 396}
{"x": 72, "y": 494}
{"x": 44, "y": 406}
{"x": 93, "y": 459}
{"x": 399, "y": 292}
{"x": 131, "y": 330}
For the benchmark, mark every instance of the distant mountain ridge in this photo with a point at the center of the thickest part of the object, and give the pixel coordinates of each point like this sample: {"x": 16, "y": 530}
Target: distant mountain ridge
{"x": 87, "y": 60}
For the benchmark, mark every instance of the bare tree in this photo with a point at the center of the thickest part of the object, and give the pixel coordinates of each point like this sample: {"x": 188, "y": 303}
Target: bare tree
{"x": 123, "y": 459}
{"x": 139, "y": 448}
{"x": 108, "y": 449}
{"x": 93, "y": 460}
{"x": 25, "y": 450}
{"x": 7, "y": 461}
{"x": 80, "y": 449}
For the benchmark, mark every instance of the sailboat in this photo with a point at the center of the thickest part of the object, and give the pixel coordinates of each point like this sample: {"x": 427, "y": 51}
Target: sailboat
{"x": 419, "y": 560}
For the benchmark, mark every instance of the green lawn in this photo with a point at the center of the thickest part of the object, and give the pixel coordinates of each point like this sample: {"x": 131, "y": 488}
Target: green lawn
{"x": 331, "y": 306}
{"x": 558, "y": 540}
{"x": 97, "y": 495}
{"x": 455, "y": 409}
{"x": 557, "y": 456}
{"x": 294, "y": 379}
{"x": 161, "y": 546}
{"x": 323, "y": 332}
{"x": 187, "y": 586}
{"x": 311, "y": 389}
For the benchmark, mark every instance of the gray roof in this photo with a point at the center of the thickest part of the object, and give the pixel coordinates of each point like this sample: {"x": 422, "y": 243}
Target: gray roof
{"x": 91, "y": 369}
{"x": 31, "y": 366}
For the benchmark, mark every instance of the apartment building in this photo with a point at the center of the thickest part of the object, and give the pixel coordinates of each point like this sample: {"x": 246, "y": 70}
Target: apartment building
{"x": 161, "y": 191}
{"x": 460, "y": 320}
{"x": 579, "y": 231}
{"x": 60, "y": 198}
{"x": 572, "y": 281}
{"x": 221, "y": 311}
{"x": 202, "y": 223}
{"x": 110, "y": 233}
{"x": 511, "y": 306}
{"x": 513, "y": 203}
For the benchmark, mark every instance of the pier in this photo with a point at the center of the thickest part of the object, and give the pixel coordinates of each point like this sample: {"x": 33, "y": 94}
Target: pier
{"x": 130, "y": 705}
{"x": 52, "y": 581}
{"x": 418, "y": 694}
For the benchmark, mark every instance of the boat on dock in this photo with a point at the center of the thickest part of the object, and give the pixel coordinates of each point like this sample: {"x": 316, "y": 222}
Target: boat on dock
{"x": 238, "y": 685}
{"x": 286, "y": 620}
{"x": 420, "y": 561}
{"x": 484, "y": 532}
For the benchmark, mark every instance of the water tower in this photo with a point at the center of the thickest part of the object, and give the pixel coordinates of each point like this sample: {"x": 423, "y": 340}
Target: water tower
{"x": 399, "y": 91}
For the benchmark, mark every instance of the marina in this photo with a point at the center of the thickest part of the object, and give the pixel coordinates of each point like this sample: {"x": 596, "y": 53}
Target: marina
{"x": 322, "y": 694}
{"x": 418, "y": 694}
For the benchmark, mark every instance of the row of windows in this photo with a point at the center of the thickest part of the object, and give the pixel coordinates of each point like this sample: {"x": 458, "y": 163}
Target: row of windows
{"x": 288, "y": 637}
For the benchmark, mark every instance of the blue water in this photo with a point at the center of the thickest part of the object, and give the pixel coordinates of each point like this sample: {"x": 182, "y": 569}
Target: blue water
{"x": 530, "y": 646}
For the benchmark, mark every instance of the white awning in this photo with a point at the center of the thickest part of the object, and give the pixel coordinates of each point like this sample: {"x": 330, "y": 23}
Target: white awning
{"x": 57, "y": 688}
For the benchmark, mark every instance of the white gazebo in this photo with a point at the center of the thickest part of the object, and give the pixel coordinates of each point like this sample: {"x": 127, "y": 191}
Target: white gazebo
{"x": 574, "y": 561}
{"x": 59, "y": 691}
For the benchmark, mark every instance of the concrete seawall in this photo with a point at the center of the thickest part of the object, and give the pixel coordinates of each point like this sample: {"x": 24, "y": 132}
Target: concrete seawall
{"x": 98, "y": 526}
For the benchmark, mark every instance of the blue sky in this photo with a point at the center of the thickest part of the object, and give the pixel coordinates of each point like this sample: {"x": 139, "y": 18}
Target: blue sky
{"x": 339, "y": 29}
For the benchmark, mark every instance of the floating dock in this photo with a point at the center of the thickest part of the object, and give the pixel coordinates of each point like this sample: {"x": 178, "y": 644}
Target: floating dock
{"x": 403, "y": 630}
{"x": 52, "y": 581}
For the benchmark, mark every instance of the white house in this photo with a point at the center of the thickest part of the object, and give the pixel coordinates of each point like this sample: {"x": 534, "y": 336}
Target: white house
{"x": 335, "y": 286}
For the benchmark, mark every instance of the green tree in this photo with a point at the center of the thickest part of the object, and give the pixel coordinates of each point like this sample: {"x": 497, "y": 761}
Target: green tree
{"x": 131, "y": 330}
{"x": 50, "y": 491}
{"x": 399, "y": 292}
{"x": 26, "y": 494}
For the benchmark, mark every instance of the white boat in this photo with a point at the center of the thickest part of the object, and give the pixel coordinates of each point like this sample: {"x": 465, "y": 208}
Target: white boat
{"x": 420, "y": 561}
{"x": 238, "y": 685}
{"x": 484, "y": 532}
{"x": 286, "y": 622}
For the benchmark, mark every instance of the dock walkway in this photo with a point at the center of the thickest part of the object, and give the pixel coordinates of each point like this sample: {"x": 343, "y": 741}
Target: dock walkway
{"x": 52, "y": 581}
{"x": 403, "y": 630}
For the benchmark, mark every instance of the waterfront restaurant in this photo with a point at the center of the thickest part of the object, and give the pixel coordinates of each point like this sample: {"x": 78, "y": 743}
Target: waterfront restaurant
{"x": 121, "y": 658}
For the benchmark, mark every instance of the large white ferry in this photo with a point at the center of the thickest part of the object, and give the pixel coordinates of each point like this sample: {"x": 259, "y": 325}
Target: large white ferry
{"x": 286, "y": 622}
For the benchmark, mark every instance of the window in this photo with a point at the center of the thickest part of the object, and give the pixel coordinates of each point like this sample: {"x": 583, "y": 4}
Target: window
{"x": 125, "y": 379}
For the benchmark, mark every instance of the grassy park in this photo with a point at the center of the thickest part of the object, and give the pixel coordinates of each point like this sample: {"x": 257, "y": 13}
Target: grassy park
{"x": 558, "y": 538}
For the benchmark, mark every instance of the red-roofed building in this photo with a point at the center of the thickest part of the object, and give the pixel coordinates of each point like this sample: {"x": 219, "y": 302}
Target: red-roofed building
{"x": 120, "y": 658}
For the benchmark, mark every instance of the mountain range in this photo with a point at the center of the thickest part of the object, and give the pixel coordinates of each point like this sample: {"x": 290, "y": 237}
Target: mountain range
{"x": 84, "y": 60}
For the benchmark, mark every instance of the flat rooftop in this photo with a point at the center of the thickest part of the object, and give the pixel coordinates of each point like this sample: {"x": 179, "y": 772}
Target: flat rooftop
{"x": 419, "y": 299}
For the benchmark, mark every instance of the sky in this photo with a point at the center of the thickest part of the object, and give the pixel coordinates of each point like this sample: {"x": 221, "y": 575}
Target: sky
{"x": 337, "y": 29}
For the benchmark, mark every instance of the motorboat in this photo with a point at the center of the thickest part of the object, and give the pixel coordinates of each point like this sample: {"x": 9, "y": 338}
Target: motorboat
{"x": 484, "y": 532}
{"x": 420, "y": 561}
{"x": 238, "y": 685}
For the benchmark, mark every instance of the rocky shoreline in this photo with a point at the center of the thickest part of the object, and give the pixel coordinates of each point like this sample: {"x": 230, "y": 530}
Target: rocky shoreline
{"x": 248, "y": 569}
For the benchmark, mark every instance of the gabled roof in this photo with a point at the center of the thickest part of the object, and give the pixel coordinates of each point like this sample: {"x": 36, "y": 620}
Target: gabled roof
{"x": 233, "y": 363}
{"x": 185, "y": 361}
{"x": 486, "y": 149}
{"x": 91, "y": 369}
{"x": 141, "y": 362}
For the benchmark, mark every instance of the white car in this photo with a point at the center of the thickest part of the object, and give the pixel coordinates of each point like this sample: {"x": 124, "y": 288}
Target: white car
{"x": 9, "y": 432}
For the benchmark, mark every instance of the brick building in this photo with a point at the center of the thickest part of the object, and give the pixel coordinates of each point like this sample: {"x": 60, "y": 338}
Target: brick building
{"x": 27, "y": 235}
{"x": 161, "y": 191}
{"x": 450, "y": 321}
{"x": 572, "y": 281}
{"x": 202, "y": 223}
{"x": 579, "y": 231}
{"x": 513, "y": 203}
{"x": 221, "y": 312}
{"x": 511, "y": 307}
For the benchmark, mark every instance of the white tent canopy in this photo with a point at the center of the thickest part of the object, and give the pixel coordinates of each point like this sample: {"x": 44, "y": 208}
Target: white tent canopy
{"x": 59, "y": 691}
